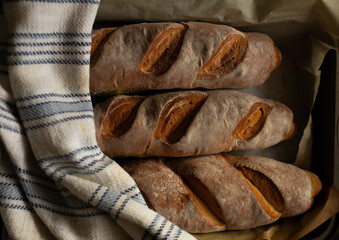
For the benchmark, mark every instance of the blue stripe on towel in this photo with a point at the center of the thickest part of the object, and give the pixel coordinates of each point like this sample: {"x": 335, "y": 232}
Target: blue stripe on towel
{"x": 70, "y": 154}
{"x": 49, "y": 61}
{"x": 89, "y": 165}
{"x": 96, "y": 191}
{"x": 9, "y": 118}
{"x": 79, "y": 161}
{"x": 178, "y": 233}
{"x": 51, "y": 108}
{"x": 33, "y": 174}
{"x": 151, "y": 227}
{"x": 64, "y": 203}
{"x": 169, "y": 232}
{"x": 130, "y": 189}
{"x": 16, "y": 206}
{"x": 12, "y": 129}
{"x": 35, "y": 53}
{"x": 50, "y": 195}
{"x": 12, "y": 191}
{"x": 139, "y": 198}
{"x": 68, "y": 214}
{"x": 88, "y": 172}
{"x": 108, "y": 199}
{"x": 7, "y": 175}
{"x": 53, "y": 123}
{"x": 52, "y": 104}
{"x": 51, "y": 35}
{"x": 121, "y": 208}
{"x": 163, "y": 224}
{"x": 54, "y": 43}
{"x": 48, "y": 95}
{"x": 36, "y": 190}
{"x": 31, "y": 183}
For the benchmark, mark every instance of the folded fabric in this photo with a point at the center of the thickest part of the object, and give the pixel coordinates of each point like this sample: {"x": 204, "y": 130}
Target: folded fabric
{"x": 55, "y": 182}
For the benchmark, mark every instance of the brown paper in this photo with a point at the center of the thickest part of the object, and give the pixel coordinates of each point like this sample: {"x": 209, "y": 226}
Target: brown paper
{"x": 304, "y": 31}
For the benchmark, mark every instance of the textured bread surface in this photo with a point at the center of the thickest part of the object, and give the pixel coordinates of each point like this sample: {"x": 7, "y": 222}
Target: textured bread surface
{"x": 188, "y": 55}
{"x": 217, "y": 192}
{"x": 167, "y": 194}
{"x": 189, "y": 123}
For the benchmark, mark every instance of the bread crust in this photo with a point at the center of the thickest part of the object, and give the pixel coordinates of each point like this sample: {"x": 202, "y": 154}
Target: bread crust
{"x": 295, "y": 184}
{"x": 209, "y": 132}
{"x": 216, "y": 179}
{"x": 117, "y": 68}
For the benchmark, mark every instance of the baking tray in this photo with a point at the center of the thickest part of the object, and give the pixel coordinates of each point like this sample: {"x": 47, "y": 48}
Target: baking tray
{"x": 325, "y": 150}
{"x": 325, "y": 117}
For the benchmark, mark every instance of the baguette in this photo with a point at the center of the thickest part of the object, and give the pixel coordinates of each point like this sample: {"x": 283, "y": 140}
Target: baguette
{"x": 189, "y": 123}
{"x": 233, "y": 192}
{"x": 179, "y": 55}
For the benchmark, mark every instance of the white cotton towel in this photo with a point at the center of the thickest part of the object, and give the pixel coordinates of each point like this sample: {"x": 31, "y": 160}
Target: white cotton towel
{"x": 55, "y": 182}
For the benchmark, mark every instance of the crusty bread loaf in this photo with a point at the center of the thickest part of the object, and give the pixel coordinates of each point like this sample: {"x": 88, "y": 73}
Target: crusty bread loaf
{"x": 179, "y": 55}
{"x": 189, "y": 123}
{"x": 240, "y": 191}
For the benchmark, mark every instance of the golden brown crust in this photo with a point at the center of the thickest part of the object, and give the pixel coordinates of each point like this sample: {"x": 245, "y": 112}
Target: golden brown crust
{"x": 191, "y": 123}
{"x": 293, "y": 183}
{"x": 162, "y": 51}
{"x": 120, "y": 116}
{"x": 201, "y": 190}
{"x": 278, "y": 58}
{"x": 315, "y": 182}
{"x": 291, "y": 133}
{"x": 266, "y": 192}
{"x": 229, "y": 54}
{"x": 176, "y": 117}
{"x": 188, "y": 55}
{"x": 241, "y": 191}
{"x": 252, "y": 122}
{"x": 205, "y": 209}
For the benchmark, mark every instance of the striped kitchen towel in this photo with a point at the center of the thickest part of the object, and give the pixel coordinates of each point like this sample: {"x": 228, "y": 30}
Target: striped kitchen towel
{"x": 55, "y": 182}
